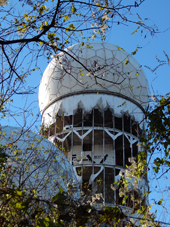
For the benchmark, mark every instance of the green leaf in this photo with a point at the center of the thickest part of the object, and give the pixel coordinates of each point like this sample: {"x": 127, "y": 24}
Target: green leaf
{"x": 21, "y": 206}
{"x": 19, "y": 193}
{"x": 45, "y": 222}
{"x": 18, "y": 205}
{"x": 82, "y": 44}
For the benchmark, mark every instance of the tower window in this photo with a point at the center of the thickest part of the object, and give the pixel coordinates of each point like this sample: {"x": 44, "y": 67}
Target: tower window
{"x": 87, "y": 147}
{"x": 108, "y": 118}
{"x": 118, "y": 123}
{"x": 59, "y": 127}
{"x": 98, "y": 118}
{"x": 87, "y": 119}
{"x": 126, "y": 123}
{"x": 78, "y": 118}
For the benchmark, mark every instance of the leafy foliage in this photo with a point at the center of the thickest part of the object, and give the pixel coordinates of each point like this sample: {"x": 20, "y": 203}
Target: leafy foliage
{"x": 158, "y": 139}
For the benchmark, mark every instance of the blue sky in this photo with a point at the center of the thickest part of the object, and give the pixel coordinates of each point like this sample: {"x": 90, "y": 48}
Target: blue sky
{"x": 158, "y": 13}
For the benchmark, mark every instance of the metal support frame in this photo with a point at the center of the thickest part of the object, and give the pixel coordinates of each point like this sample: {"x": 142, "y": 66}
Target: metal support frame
{"x": 82, "y": 152}
{"x": 92, "y": 149}
{"x": 95, "y": 128}
{"x": 114, "y": 153}
{"x": 63, "y": 134}
{"x": 123, "y": 142}
{"x": 104, "y": 196}
{"x": 72, "y": 141}
{"x": 131, "y": 150}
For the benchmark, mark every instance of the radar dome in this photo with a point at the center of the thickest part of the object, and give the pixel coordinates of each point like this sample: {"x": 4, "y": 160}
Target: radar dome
{"x": 93, "y": 68}
{"x": 40, "y": 164}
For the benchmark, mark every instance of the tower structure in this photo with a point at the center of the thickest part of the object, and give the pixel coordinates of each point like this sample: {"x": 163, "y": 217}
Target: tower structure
{"x": 92, "y": 100}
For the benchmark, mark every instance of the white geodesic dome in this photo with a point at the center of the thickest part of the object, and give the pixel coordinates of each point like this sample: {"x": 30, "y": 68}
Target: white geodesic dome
{"x": 40, "y": 164}
{"x": 94, "y": 68}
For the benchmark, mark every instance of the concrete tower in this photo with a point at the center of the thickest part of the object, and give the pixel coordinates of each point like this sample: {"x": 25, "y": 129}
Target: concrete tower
{"x": 92, "y": 99}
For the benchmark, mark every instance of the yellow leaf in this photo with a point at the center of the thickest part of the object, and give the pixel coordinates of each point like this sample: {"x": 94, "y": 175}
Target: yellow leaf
{"x": 73, "y": 9}
{"x": 81, "y": 73}
{"x": 134, "y": 52}
{"x": 126, "y": 62}
{"x": 26, "y": 16}
{"x": 9, "y": 145}
{"x": 135, "y": 30}
{"x": 19, "y": 193}
{"x": 119, "y": 48}
{"x": 66, "y": 17}
{"x": 90, "y": 47}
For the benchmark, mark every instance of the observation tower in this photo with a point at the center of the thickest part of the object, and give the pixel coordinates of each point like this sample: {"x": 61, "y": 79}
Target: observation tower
{"x": 92, "y": 99}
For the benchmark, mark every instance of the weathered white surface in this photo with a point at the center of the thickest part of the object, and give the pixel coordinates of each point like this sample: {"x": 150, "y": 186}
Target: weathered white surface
{"x": 69, "y": 106}
{"x": 65, "y": 75}
{"x": 38, "y": 161}
{"x": 93, "y": 176}
{"x": 79, "y": 178}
